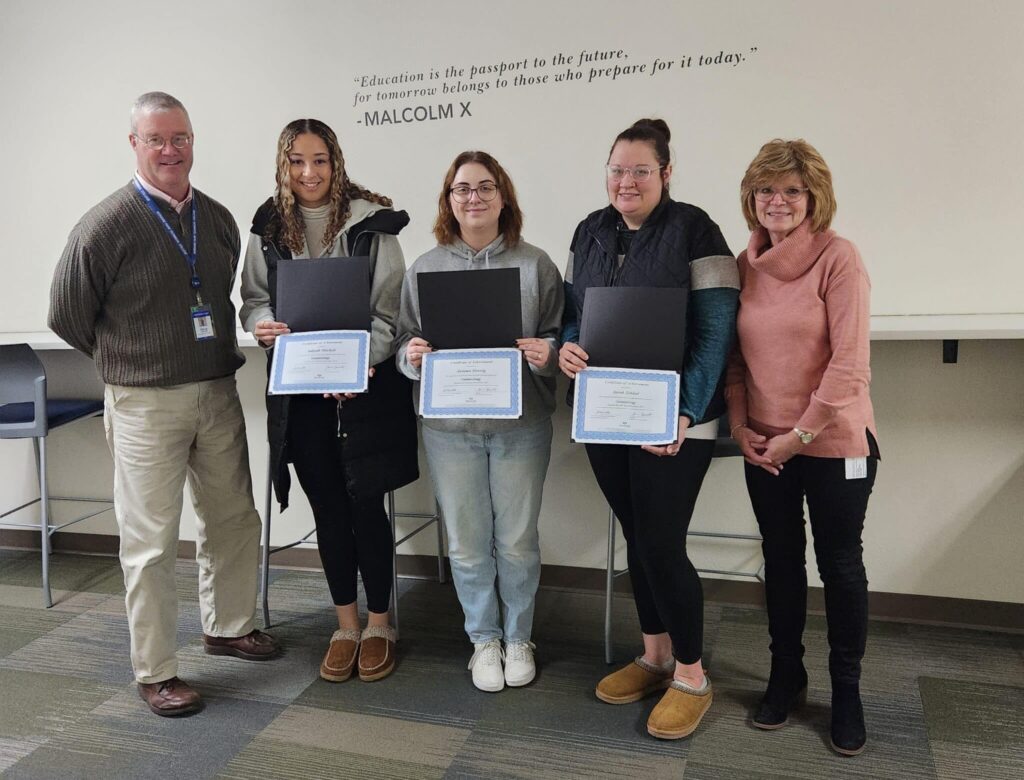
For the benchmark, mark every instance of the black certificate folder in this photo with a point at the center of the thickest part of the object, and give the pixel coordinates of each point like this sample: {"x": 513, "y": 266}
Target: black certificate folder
{"x": 634, "y": 327}
{"x": 325, "y": 293}
{"x": 470, "y": 309}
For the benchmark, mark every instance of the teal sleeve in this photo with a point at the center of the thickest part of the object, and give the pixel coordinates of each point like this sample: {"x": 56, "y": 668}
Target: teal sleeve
{"x": 714, "y": 330}
{"x": 570, "y": 325}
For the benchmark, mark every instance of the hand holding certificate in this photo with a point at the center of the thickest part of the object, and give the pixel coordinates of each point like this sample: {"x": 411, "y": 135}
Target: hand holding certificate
{"x": 327, "y": 361}
{"x": 482, "y": 383}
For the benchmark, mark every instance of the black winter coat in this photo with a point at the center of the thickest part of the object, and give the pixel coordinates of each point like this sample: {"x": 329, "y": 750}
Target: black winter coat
{"x": 377, "y": 430}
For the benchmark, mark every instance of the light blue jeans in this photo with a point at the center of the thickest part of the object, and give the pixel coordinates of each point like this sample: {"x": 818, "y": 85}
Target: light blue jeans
{"x": 489, "y": 487}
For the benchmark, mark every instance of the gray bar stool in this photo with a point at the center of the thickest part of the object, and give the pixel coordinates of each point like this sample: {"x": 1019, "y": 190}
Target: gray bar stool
{"x": 26, "y": 412}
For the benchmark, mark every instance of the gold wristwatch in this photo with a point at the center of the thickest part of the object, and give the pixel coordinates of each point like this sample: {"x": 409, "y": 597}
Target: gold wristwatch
{"x": 804, "y": 436}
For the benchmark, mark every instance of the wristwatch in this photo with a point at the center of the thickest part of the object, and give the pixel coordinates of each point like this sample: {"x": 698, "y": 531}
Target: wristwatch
{"x": 804, "y": 436}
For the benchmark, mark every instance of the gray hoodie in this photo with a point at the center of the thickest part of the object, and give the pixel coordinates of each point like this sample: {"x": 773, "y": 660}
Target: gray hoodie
{"x": 542, "y": 297}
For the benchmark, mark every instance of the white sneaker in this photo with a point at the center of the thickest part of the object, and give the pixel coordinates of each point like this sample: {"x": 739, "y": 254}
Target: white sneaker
{"x": 486, "y": 665}
{"x": 519, "y": 666}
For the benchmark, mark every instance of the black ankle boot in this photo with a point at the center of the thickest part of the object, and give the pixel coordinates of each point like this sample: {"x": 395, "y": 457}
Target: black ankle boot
{"x": 848, "y": 732}
{"x": 787, "y": 689}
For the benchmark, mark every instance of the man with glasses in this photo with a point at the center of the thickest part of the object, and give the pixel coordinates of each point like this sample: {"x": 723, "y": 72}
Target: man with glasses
{"x": 143, "y": 287}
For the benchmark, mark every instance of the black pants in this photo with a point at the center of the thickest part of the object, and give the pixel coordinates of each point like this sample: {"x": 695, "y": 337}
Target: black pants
{"x": 653, "y": 497}
{"x": 352, "y": 534}
{"x": 837, "y": 507}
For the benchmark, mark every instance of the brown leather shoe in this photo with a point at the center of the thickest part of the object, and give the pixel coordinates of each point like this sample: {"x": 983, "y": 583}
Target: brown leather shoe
{"x": 341, "y": 655}
{"x": 254, "y": 646}
{"x": 376, "y": 653}
{"x": 170, "y": 697}
{"x": 633, "y": 682}
{"x": 679, "y": 712}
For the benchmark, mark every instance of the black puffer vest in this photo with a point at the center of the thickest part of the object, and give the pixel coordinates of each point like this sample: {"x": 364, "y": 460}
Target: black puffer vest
{"x": 673, "y": 236}
{"x": 377, "y": 430}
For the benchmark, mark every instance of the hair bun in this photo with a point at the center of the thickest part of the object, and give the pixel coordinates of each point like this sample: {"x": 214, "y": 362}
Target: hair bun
{"x": 655, "y": 124}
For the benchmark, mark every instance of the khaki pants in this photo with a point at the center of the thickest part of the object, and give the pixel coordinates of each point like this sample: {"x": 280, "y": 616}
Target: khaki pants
{"x": 158, "y": 436}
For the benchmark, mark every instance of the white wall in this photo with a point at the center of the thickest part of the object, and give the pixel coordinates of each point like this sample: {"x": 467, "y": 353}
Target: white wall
{"x": 916, "y": 105}
{"x": 946, "y": 517}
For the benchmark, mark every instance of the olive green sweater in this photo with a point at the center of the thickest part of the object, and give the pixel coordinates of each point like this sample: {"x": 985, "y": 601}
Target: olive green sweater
{"x": 121, "y": 291}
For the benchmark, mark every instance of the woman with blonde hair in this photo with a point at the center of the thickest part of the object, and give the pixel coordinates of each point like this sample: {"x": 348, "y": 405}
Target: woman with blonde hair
{"x": 800, "y": 411}
{"x": 348, "y": 451}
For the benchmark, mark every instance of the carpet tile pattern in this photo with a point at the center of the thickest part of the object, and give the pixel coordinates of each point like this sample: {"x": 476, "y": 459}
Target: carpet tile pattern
{"x": 941, "y": 703}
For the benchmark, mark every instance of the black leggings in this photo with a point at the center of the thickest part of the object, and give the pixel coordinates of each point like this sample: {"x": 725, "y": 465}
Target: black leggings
{"x": 653, "y": 497}
{"x": 352, "y": 534}
{"x": 836, "y": 506}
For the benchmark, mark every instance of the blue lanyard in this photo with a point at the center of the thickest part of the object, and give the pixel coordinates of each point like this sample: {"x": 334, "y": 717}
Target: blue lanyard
{"x": 189, "y": 258}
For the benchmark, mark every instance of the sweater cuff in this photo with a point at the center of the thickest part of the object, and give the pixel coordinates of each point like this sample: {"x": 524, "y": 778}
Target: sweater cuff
{"x": 817, "y": 416}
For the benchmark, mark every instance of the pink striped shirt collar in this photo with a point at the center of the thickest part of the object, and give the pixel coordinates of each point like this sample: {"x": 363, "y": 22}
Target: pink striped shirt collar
{"x": 177, "y": 205}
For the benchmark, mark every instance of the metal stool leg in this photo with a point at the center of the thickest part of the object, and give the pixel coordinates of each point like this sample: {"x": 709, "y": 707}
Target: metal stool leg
{"x": 265, "y": 549}
{"x": 44, "y": 516}
{"x": 440, "y": 543}
{"x": 609, "y": 581}
{"x": 394, "y": 560}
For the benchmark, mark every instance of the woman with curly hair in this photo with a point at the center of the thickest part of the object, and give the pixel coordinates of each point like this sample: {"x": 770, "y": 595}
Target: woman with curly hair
{"x": 348, "y": 451}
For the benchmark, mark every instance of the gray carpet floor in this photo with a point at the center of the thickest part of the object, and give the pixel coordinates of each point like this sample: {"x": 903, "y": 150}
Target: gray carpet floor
{"x": 940, "y": 702}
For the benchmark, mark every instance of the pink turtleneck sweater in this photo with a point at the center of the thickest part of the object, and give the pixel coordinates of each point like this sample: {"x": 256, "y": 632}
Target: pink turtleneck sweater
{"x": 804, "y": 342}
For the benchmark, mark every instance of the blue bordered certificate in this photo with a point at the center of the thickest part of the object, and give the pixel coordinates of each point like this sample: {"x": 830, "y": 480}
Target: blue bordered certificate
{"x": 485, "y": 383}
{"x": 320, "y": 361}
{"x": 625, "y": 406}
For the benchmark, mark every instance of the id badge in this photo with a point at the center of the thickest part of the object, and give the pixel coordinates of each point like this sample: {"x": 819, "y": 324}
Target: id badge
{"x": 202, "y": 323}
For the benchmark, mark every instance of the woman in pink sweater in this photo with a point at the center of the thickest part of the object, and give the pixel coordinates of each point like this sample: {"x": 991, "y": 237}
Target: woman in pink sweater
{"x": 799, "y": 408}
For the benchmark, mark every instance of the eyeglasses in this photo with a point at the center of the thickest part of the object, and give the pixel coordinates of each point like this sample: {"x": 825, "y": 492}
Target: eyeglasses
{"x": 638, "y": 172}
{"x": 789, "y": 195}
{"x": 463, "y": 192}
{"x": 157, "y": 142}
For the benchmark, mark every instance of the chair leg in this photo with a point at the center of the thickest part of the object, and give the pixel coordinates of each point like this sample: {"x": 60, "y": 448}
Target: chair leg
{"x": 265, "y": 549}
{"x": 394, "y": 560}
{"x": 39, "y": 443}
{"x": 440, "y": 543}
{"x": 609, "y": 582}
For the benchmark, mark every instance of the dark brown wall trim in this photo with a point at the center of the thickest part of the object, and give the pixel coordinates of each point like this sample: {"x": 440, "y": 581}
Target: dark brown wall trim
{"x": 967, "y": 613}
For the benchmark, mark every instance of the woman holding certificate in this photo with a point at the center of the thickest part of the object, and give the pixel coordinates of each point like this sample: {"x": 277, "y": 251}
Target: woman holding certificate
{"x": 348, "y": 450}
{"x": 800, "y": 411}
{"x": 488, "y": 474}
{"x": 643, "y": 238}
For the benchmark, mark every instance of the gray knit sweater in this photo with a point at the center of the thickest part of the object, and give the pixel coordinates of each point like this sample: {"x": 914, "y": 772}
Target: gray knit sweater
{"x": 542, "y": 298}
{"x": 121, "y": 292}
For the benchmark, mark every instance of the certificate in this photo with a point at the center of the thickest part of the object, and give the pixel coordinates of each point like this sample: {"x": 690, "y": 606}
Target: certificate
{"x": 486, "y": 383}
{"x": 625, "y": 406}
{"x": 322, "y": 361}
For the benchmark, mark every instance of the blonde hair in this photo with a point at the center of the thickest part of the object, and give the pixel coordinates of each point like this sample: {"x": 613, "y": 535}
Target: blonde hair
{"x": 287, "y": 221}
{"x": 779, "y": 158}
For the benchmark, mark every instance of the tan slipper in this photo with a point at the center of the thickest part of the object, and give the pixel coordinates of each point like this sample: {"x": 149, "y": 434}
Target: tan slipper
{"x": 377, "y": 653}
{"x": 341, "y": 655}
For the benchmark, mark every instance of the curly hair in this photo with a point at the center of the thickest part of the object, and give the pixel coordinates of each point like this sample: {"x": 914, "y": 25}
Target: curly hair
{"x": 510, "y": 222}
{"x": 779, "y": 158}
{"x": 287, "y": 222}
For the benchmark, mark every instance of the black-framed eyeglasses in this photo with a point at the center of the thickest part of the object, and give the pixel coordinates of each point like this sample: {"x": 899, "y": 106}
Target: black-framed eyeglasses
{"x": 638, "y": 172}
{"x": 158, "y": 142}
{"x": 789, "y": 195}
{"x": 462, "y": 193}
